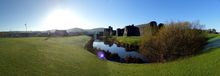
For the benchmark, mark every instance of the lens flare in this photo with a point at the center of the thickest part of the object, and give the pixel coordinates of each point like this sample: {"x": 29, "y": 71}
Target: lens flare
{"x": 101, "y": 55}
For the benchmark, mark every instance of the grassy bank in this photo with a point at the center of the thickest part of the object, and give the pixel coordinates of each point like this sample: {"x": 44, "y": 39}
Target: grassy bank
{"x": 213, "y": 37}
{"x": 132, "y": 40}
{"x": 67, "y": 57}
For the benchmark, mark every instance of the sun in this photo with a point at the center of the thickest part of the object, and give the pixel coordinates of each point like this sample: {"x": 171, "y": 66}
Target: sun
{"x": 61, "y": 19}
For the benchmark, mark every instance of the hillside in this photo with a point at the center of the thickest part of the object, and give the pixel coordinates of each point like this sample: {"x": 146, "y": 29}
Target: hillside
{"x": 87, "y": 31}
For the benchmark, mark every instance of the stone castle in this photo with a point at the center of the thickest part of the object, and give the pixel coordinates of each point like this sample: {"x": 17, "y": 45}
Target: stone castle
{"x": 129, "y": 30}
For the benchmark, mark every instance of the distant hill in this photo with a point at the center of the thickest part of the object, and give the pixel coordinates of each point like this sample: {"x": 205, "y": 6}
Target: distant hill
{"x": 96, "y": 30}
{"x": 76, "y": 31}
{"x": 92, "y": 31}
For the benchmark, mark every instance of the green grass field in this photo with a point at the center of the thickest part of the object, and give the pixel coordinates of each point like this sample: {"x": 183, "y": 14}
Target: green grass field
{"x": 132, "y": 40}
{"x": 66, "y": 56}
{"x": 213, "y": 37}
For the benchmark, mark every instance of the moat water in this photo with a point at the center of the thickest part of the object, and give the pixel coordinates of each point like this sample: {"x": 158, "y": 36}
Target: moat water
{"x": 115, "y": 52}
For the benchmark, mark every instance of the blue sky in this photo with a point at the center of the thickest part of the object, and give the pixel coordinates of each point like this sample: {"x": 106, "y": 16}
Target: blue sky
{"x": 102, "y": 13}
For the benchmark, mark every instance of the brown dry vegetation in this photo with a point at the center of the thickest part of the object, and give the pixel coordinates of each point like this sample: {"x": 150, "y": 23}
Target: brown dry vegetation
{"x": 176, "y": 39}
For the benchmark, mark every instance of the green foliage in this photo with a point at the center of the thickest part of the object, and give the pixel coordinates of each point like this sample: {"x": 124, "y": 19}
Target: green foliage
{"x": 131, "y": 40}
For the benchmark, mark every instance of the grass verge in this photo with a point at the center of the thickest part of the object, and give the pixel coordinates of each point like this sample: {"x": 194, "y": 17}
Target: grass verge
{"x": 66, "y": 56}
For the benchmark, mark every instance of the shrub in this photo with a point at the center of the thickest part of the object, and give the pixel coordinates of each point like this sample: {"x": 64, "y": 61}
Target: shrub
{"x": 173, "y": 41}
{"x": 161, "y": 25}
{"x": 149, "y": 30}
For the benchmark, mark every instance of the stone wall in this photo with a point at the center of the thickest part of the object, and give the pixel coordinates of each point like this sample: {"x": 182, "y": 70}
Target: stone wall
{"x": 131, "y": 30}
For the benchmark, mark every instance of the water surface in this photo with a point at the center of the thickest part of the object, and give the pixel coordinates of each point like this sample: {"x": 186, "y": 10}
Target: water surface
{"x": 122, "y": 52}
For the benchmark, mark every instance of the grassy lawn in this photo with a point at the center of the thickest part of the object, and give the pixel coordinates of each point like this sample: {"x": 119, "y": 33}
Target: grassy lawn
{"x": 132, "y": 40}
{"x": 213, "y": 37}
{"x": 67, "y": 57}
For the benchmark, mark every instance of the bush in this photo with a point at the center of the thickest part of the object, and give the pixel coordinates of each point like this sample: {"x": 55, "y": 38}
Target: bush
{"x": 173, "y": 41}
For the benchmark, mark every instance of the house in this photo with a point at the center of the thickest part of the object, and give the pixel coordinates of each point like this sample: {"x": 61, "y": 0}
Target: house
{"x": 131, "y": 30}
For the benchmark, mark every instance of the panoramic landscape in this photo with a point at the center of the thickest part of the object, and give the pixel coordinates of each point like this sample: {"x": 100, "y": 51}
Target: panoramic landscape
{"x": 109, "y": 38}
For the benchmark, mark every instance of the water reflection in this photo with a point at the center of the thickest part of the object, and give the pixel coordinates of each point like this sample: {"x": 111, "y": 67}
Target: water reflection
{"x": 118, "y": 53}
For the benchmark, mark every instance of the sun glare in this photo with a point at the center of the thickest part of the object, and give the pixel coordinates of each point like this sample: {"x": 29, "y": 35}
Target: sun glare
{"x": 61, "y": 19}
